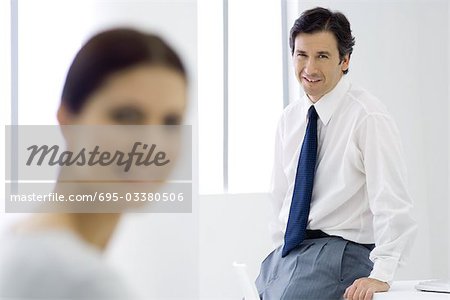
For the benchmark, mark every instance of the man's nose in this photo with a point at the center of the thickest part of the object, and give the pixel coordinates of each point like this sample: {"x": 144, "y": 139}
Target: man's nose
{"x": 310, "y": 67}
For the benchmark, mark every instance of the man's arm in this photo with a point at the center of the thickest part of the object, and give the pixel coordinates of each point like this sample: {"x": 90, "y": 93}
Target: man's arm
{"x": 364, "y": 288}
{"x": 279, "y": 186}
{"x": 389, "y": 201}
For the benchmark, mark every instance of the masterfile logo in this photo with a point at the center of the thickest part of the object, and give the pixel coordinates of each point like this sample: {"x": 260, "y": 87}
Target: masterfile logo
{"x": 147, "y": 157}
{"x": 97, "y": 153}
{"x": 113, "y": 168}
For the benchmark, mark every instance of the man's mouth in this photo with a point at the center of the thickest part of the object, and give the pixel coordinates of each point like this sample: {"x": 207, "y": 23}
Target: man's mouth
{"x": 311, "y": 80}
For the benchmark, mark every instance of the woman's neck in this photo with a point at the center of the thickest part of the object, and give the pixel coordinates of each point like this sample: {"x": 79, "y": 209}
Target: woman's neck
{"x": 95, "y": 229}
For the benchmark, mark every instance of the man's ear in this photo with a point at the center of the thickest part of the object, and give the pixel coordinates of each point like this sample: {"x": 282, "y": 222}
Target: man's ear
{"x": 345, "y": 63}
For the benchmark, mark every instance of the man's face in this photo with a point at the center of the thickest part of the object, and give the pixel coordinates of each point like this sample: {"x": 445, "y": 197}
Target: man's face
{"x": 316, "y": 63}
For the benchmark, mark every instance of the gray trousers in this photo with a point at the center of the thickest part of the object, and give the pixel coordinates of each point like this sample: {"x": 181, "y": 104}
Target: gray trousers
{"x": 319, "y": 268}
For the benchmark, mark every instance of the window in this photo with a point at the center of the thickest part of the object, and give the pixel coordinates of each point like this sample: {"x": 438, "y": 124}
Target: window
{"x": 238, "y": 111}
{"x": 5, "y": 87}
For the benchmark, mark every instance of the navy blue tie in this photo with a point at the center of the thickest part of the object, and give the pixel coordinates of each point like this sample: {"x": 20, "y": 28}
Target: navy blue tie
{"x": 304, "y": 181}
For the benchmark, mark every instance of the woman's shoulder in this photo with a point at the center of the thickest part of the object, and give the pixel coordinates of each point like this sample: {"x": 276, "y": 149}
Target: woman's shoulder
{"x": 55, "y": 264}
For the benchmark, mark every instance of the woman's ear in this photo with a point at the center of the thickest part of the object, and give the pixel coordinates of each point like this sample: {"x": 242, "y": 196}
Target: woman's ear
{"x": 63, "y": 115}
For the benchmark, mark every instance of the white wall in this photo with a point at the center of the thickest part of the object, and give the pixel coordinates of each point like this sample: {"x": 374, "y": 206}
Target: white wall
{"x": 233, "y": 227}
{"x": 5, "y": 88}
{"x": 48, "y": 42}
{"x": 157, "y": 254}
{"x": 448, "y": 133}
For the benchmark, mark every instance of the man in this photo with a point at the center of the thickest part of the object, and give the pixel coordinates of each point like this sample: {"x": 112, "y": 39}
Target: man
{"x": 342, "y": 210}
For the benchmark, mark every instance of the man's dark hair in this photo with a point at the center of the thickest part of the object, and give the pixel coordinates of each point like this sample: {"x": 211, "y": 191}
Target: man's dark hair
{"x": 321, "y": 19}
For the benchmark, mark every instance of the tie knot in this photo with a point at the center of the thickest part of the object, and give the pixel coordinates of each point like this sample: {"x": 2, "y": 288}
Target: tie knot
{"x": 312, "y": 113}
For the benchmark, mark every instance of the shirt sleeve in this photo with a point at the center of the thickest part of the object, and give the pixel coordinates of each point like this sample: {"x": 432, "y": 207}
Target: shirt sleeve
{"x": 389, "y": 200}
{"x": 278, "y": 187}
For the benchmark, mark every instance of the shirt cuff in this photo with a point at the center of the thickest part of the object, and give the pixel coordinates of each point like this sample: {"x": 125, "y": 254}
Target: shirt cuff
{"x": 384, "y": 269}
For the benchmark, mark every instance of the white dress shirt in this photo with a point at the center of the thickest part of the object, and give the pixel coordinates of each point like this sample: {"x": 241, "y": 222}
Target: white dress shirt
{"x": 360, "y": 189}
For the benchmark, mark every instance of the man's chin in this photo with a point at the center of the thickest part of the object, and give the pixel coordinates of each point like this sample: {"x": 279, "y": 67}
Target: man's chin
{"x": 314, "y": 97}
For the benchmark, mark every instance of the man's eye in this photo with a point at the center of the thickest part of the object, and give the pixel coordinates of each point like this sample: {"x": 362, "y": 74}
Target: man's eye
{"x": 323, "y": 56}
{"x": 127, "y": 116}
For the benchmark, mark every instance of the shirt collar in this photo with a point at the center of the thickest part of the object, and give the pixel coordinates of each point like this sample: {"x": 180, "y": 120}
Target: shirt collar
{"x": 326, "y": 105}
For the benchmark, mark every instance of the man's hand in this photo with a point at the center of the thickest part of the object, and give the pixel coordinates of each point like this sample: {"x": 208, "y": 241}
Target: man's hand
{"x": 363, "y": 289}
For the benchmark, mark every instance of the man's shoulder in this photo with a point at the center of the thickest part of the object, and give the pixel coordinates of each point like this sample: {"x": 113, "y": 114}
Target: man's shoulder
{"x": 364, "y": 102}
{"x": 293, "y": 108}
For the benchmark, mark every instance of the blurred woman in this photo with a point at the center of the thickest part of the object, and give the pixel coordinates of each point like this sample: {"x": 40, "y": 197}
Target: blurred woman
{"x": 119, "y": 77}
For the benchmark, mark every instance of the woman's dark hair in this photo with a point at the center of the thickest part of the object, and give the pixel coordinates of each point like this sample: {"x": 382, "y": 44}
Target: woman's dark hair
{"x": 109, "y": 52}
{"x": 322, "y": 19}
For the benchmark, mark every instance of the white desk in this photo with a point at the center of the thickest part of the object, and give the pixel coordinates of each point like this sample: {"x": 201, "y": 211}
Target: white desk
{"x": 404, "y": 290}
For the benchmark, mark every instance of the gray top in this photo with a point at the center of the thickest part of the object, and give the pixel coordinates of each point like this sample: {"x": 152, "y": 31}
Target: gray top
{"x": 55, "y": 264}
